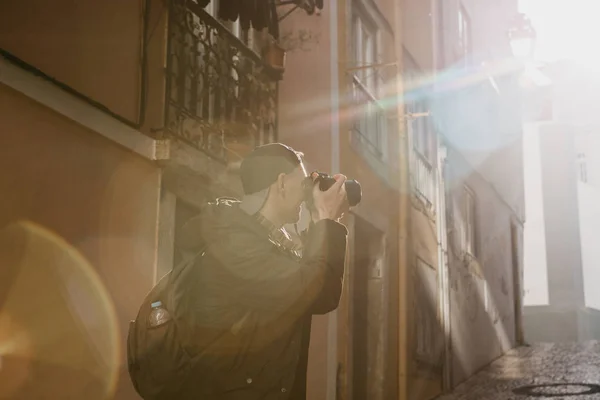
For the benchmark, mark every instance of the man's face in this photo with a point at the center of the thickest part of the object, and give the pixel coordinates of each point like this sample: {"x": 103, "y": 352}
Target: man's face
{"x": 294, "y": 194}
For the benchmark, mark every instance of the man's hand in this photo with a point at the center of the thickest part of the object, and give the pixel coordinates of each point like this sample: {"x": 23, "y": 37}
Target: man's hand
{"x": 332, "y": 203}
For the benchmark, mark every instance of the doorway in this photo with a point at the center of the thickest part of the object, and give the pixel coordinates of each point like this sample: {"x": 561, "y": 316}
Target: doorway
{"x": 369, "y": 312}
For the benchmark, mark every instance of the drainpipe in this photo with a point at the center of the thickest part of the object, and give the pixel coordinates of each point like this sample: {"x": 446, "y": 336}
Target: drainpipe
{"x": 443, "y": 273}
{"x": 404, "y": 211}
{"x": 334, "y": 71}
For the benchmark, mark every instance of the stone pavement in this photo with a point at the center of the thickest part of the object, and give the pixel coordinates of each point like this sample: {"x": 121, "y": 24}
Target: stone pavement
{"x": 540, "y": 364}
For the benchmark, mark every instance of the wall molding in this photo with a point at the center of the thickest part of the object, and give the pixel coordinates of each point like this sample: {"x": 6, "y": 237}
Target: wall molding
{"x": 68, "y": 105}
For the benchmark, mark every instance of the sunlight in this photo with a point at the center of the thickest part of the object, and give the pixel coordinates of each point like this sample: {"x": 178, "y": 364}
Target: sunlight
{"x": 56, "y": 316}
{"x": 566, "y": 29}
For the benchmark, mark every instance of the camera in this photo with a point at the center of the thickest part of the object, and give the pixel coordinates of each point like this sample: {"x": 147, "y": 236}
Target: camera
{"x": 325, "y": 181}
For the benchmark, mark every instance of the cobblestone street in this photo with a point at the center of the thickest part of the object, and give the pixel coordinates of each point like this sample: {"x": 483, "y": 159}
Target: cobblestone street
{"x": 551, "y": 365}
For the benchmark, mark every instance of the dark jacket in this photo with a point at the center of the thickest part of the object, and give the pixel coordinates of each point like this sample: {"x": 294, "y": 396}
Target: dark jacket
{"x": 252, "y": 302}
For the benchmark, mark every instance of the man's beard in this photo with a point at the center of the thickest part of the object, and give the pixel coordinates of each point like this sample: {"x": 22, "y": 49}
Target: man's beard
{"x": 294, "y": 215}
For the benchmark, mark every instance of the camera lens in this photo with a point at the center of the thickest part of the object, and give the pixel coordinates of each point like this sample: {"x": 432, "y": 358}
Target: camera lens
{"x": 353, "y": 188}
{"x": 354, "y": 192}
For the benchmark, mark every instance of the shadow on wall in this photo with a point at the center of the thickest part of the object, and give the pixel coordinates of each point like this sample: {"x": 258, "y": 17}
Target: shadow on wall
{"x": 483, "y": 275}
{"x": 481, "y": 287}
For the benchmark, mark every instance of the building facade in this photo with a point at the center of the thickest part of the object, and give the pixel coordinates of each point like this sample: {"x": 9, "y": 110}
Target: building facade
{"x": 475, "y": 125}
{"x": 119, "y": 120}
{"x": 138, "y": 113}
{"x": 483, "y": 179}
{"x": 347, "y": 119}
{"x": 77, "y": 164}
{"x": 453, "y": 257}
{"x": 562, "y": 155}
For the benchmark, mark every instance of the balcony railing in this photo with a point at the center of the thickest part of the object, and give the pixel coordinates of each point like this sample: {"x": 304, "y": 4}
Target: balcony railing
{"x": 369, "y": 120}
{"x": 423, "y": 178}
{"x": 218, "y": 90}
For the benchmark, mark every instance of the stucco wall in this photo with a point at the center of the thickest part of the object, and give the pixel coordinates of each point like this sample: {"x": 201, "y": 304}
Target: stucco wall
{"x": 560, "y": 283}
{"x": 80, "y": 45}
{"x": 485, "y": 125}
{"x": 305, "y": 109}
{"x": 417, "y": 33}
{"x": 559, "y": 185}
{"x": 481, "y": 288}
{"x": 99, "y": 198}
{"x": 563, "y": 212}
{"x": 489, "y": 23}
{"x": 589, "y": 223}
{"x": 536, "y": 269}
{"x": 425, "y": 336}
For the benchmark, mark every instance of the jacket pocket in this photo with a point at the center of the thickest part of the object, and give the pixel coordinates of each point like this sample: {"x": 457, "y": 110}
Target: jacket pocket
{"x": 132, "y": 357}
{"x": 165, "y": 363}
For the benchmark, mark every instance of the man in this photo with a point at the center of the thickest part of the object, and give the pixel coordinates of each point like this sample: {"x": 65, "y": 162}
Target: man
{"x": 253, "y": 292}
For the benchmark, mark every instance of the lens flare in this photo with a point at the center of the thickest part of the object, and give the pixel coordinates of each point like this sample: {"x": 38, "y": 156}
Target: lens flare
{"x": 58, "y": 327}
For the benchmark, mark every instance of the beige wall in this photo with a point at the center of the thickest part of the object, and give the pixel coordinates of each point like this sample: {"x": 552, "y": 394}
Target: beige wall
{"x": 96, "y": 50}
{"x": 482, "y": 319}
{"x": 305, "y": 92}
{"x": 489, "y": 25}
{"x": 417, "y": 33}
{"x": 425, "y": 335}
{"x": 100, "y": 198}
{"x": 94, "y": 47}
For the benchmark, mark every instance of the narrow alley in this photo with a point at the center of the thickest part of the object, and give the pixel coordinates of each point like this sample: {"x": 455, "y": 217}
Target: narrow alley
{"x": 540, "y": 371}
{"x": 171, "y": 226}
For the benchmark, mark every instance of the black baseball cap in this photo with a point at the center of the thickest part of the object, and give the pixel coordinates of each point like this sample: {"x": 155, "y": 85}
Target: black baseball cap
{"x": 260, "y": 169}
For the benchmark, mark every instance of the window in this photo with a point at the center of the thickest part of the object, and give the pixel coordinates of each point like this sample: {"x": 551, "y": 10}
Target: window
{"x": 420, "y": 128}
{"x": 365, "y": 52}
{"x": 370, "y": 121}
{"x": 582, "y": 170}
{"x": 248, "y": 37}
{"x": 370, "y": 125}
{"x": 423, "y": 154}
{"x": 421, "y": 134}
{"x": 429, "y": 336}
{"x": 464, "y": 33}
{"x": 469, "y": 221}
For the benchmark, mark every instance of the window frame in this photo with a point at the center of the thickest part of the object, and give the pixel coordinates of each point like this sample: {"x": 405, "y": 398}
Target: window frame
{"x": 464, "y": 32}
{"x": 363, "y": 27}
{"x": 469, "y": 221}
{"x": 370, "y": 129}
{"x": 422, "y": 134}
{"x": 421, "y": 131}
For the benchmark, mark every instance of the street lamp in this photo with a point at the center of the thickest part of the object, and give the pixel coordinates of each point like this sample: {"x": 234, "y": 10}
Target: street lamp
{"x": 522, "y": 37}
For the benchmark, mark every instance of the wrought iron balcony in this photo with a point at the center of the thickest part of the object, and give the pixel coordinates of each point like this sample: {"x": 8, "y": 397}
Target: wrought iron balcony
{"x": 219, "y": 91}
{"x": 369, "y": 120}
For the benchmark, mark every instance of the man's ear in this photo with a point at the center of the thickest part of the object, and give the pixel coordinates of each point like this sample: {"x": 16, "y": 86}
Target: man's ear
{"x": 281, "y": 183}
